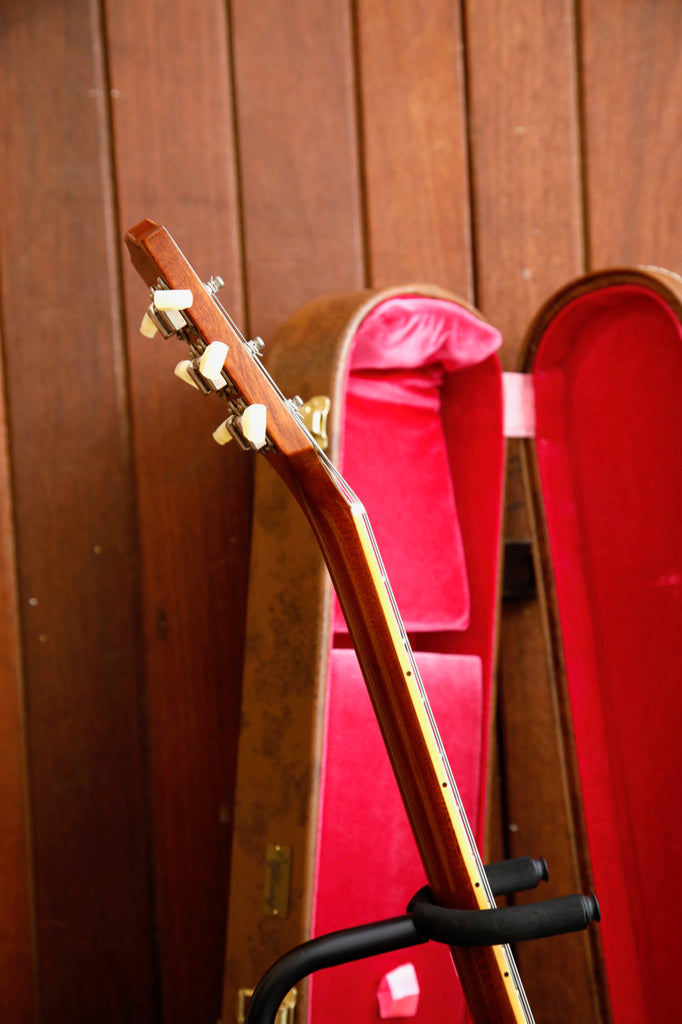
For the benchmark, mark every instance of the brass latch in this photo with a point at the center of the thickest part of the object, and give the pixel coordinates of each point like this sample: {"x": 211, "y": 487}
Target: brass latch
{"x": 285, "y": 1014}
{"x": 314, "y": 414}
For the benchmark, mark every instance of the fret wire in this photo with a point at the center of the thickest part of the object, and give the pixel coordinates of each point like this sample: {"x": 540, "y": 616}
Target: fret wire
{"x": 485, "y": 885}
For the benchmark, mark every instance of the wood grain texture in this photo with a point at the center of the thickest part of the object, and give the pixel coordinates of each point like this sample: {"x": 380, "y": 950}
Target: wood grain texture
{"x": 297, "y": 135}
{"x": 174, "y": 160}
{"x": 76, "y": 541}
{"x": 527, "y": 203}
{"x": 632, "y": 82}
{"x": 412, "y": 102}
{"x": 525, "y": 156}
{"x": 17, "y": 969}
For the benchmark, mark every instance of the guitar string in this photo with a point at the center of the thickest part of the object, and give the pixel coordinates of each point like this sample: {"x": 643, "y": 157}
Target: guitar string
{"x": 351, "y": 498}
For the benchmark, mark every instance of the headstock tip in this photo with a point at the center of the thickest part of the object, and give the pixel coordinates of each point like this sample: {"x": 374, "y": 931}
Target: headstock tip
{"x": 141, "y": 241}
{"x": 136, "y": 234}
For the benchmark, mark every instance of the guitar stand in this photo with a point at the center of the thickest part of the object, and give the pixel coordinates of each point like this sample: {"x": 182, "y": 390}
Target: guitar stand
{"x": 425, "y": 921}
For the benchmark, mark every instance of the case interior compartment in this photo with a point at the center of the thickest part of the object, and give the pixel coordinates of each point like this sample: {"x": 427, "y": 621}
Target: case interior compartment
{"x": 608, "y": 385}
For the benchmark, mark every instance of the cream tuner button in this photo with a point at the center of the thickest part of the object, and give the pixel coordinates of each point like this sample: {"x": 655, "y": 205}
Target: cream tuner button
{"x": 221, "y": 435}
{"x": 252, "y": 424}
{"x": 172, "y": 299}
{"x": 211, "y": 363}
{"x": 182, "y": 370}
{"x": 148, "y": 327}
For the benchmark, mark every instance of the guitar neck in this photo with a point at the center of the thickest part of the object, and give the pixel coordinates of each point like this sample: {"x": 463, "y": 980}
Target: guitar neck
{"x": 438, "y": 821}
{"x": 488, "y": 974}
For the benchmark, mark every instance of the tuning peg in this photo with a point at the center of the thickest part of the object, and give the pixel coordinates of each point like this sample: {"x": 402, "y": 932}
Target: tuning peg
{"x": 172, "y": 299}
{"x": 148, "y": 327}
{"x": 214, "y": 285}
{"x": 256, "y": 346}
{"x": 252, "y": 424}
{"x": 248, "y": 429}
{"x": 211, "y": 363}
{"x": 222, "y": 435}
{"x": 182, "y": 370}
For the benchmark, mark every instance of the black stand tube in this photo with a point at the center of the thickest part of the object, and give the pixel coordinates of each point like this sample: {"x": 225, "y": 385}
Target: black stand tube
{"x": 425, "y": 921}
{"x": 328, "y": 951}
{"x": 516, "y": 875}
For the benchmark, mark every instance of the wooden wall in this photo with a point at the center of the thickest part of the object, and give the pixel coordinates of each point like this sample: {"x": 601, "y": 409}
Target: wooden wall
{"x": 296, "y": 148}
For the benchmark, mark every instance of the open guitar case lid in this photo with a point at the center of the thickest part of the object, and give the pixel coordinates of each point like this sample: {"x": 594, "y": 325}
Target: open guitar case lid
{"x": 605, "y": 482}
{"x": 419, "y": 410}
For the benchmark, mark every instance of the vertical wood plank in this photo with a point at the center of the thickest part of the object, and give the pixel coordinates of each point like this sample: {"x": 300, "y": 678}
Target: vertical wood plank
{"x": 415, "y": 157}
{"x": 175, "y": 163}
{"x": 76, "y": 544}
{"x": 296, "y": 119}
{"x": 632, "y": 82}
{"x": 295, "y": 96}
{"x": 17, "y": 984}
{"x": 524, "y": 131}
{"x": 527, "y": 211}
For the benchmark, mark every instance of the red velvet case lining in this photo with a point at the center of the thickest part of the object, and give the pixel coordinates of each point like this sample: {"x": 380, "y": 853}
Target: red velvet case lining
{"x": 608, "y": 383}
{"x": 422, "y": 443}
{"x": 368, "y": 866}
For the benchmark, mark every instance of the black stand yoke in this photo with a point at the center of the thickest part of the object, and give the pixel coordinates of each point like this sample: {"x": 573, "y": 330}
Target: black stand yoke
{"x": 425, "y": 921}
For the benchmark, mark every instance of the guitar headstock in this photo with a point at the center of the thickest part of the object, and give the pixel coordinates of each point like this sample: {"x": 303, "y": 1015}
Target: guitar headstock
{"x": 220, "y": 360}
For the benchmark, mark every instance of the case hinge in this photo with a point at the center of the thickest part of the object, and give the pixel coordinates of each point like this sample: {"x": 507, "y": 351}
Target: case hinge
{"x": 277, "y": 878}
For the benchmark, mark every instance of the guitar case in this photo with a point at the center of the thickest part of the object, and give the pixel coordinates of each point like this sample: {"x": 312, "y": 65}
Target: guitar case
{"x": 604, "y": 473}
{"x": 419, "y": 409}
{"x": 321, "y": 841}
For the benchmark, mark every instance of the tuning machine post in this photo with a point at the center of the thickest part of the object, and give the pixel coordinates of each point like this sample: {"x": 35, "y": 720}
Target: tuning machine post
{"x": 255, "y": 346}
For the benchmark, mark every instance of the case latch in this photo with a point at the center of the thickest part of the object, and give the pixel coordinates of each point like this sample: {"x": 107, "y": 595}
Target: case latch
{"x": 314, "y": 414}
{"x": 285, "y": 1014}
